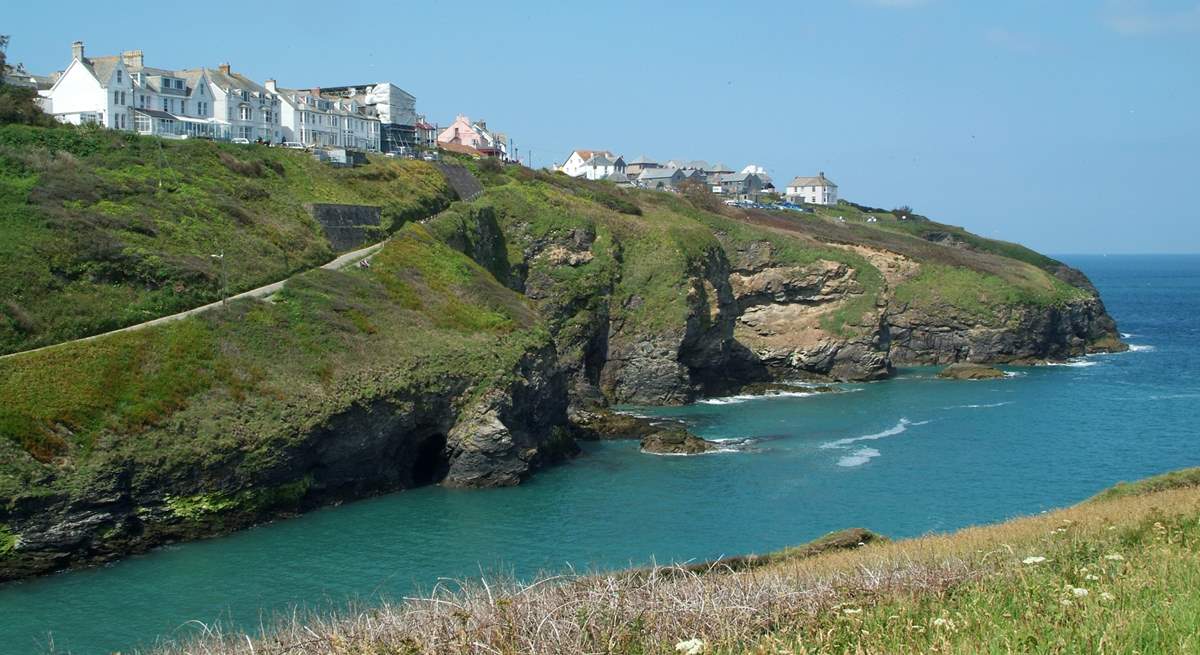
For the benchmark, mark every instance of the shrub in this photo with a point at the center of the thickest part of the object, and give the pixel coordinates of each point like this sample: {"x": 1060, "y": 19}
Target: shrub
{"x": 246, "y": 168}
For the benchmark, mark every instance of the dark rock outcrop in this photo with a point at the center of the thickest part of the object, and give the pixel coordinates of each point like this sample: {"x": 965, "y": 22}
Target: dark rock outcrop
{"x": 676, "y": 441}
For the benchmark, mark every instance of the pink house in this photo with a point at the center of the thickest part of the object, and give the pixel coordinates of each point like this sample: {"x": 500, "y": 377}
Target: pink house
{"x": 474, "y": 134}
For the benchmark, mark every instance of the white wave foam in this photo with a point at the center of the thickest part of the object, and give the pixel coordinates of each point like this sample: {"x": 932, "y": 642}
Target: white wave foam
{"x": 1075, "y": 363}
{"x": 858, "y": 457}
{"x": 733, "y": 400}
{"x": 1127, "y": 335}
{"x": 896, "y": 429}
{"x": 981, "y": 405}
{"x": 1140, "y": 347}
{"x": 1014, "y": 374}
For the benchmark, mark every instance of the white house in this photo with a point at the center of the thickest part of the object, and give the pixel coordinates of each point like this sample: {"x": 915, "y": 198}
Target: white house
{"x": 318, "y": 119}
{"x": 121, "y": 92}
{"x": 593, "y": 164}
{"x": 95, "y": 90}
{"x": 817, "y": 190}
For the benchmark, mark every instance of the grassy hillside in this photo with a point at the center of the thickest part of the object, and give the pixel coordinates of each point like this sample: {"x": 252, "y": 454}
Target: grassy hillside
{"x": 247, "y": 381}
{"x": 1115, "y": 575}
{"x": 100, "y": 229}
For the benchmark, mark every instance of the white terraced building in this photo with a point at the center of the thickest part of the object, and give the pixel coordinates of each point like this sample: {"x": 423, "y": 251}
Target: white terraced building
{"x": 120, "y": 92}
{"x": 315, "y": 119}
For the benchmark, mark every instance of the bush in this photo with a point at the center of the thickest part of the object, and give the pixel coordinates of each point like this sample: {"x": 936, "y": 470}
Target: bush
{"x": 246, "y": 168}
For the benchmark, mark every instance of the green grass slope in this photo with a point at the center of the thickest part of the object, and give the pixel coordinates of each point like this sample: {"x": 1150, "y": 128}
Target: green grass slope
{"x": 100, "y": 229}
{"x": 247, "y": 381}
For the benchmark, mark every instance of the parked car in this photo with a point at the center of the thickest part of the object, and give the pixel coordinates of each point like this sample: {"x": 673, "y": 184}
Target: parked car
{"x": 294, "y": 145}
{"x": 430, "y": 156}
{"x": 240, "y": 140}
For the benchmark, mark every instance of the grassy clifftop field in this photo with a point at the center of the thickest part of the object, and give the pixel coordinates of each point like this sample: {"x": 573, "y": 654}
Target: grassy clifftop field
{"x": 1116, "y": 574}
{"x": 100, "y": 229}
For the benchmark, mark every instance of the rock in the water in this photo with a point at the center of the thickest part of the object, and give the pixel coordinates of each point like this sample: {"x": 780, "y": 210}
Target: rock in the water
{"x": 967, "y": 371}
{"x": 676, "y": 441}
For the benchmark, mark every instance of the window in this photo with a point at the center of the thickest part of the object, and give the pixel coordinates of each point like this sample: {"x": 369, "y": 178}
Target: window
{"x": 178, "y": 84}
{"x": 118, "y": 76}
{"x": 165, "y": 105}
{"x": 142, "y": 100}
{"x": 183, "y": 106}
{"x": 202, "y": 89}
{"x": 245, "y": 112}
{"x": 141, "y": 123}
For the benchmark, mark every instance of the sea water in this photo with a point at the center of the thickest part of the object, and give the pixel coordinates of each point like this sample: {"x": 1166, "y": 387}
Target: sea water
{"x": 903, "y": 457}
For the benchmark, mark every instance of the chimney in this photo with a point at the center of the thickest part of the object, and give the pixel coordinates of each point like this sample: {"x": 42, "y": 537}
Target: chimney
{"x": 316, "y": 90}
{"x": 77, "y": 50}
{"x": 224, "y": 68}
{"x": 271, "y": 86}
{"x": 133, "y": 59}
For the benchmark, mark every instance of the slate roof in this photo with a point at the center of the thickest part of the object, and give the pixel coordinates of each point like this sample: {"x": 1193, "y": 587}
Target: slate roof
{"x": 643, "y": 160}
{"x": 657, "y": 173}
{"x": 819, "y": 180}
{"x": 101, "y": 67}
{"x": 617, "y": 176}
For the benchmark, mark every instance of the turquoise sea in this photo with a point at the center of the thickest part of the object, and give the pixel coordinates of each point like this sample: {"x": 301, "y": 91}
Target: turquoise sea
{"x": 903, "y": 457}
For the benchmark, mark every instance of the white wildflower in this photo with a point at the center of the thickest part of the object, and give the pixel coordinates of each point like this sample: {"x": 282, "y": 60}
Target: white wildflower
{"x": 1079, "y": 592}
{"x": 1034, "y": 559}
{"x": 852, "y": 610}
{"x": 1114, "y": 557}
{"x": 1091, "y": 577}
{"x": 1066, "y": 601}
{"x": 942, "y": 622}
{"x": 1104, "y": 595}
{"x": 694, "y": 646}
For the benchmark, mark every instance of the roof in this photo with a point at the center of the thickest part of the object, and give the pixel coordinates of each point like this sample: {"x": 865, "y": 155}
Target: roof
{"x": 101, "y": 67}
{"x": 231, "y": 80}
{"x": 719, "y": 168}
{"x": 819, "y": 180}
{"x": 588, "y": 154}
{"x": 459, "y": 148}
{"x": 643, "y": 160}
{"x": 617, "y": 176}
{"x": 657, "y": 173}
{"x": 600, "y": 160}
{"x": 154, "y": 113}
{"x": 735, "y": 177}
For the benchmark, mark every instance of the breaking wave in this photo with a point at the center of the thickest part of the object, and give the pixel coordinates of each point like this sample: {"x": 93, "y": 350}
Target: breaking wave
{"x": 733, "y": 400}
{"x": 858, "y": 457}
{"x": 896, "y": 429}
{"x": 1140, "y": 347}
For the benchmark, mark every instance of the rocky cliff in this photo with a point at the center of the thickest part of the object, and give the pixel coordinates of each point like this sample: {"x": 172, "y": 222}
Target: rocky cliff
{"x": 464, "y": 351}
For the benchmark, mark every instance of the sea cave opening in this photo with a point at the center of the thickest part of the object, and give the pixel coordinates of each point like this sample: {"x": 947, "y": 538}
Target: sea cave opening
{"x": 432, "y": 462}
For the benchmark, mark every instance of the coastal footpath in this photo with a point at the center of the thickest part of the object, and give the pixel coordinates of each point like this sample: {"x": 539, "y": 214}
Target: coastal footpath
{"x": 473, "y": 348}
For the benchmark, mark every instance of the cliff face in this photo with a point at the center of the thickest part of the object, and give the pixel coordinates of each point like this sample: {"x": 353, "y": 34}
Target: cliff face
{"x": 754, "y": 305}
{"x": 460, "y": 355}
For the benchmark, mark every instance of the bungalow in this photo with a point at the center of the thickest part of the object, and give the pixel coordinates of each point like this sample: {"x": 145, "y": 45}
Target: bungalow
{"x": 593, "y": 164}
{"x": 817, "y": 190}
{"x": 475, "y": 135}
{"x": 661, "y": 179}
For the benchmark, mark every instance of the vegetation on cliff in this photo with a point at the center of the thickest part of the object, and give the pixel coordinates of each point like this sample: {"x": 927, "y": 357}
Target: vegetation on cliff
{"x": 1117, "y": 574}
{"x": 103, "y": 229}
{"x": 465, "y": 338}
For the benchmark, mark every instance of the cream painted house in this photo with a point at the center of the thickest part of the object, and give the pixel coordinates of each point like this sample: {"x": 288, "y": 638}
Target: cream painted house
{"x": 817, "y": 190}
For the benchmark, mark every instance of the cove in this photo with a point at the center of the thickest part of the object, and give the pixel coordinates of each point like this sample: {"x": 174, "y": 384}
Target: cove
{"x": 903, "y": 457}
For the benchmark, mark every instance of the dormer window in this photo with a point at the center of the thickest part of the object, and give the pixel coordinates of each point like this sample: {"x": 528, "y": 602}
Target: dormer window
{"x": 118, "y": 76}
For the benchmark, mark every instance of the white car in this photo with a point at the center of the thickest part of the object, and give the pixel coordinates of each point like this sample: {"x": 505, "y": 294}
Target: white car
{"x": 294, "y": 145}
{"x": 240, "y": 140}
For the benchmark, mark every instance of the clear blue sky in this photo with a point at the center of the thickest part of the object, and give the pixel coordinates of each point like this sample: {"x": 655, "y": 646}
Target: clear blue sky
{"x": 1070, "y": 126}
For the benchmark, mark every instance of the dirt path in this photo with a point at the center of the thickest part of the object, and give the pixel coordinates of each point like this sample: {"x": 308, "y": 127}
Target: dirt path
{"x": 265, "y": 291}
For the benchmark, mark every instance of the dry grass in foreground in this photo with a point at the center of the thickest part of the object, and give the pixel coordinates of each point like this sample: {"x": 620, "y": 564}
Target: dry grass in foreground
{"x": 1107, "y": 576}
